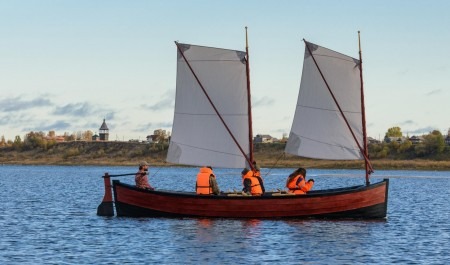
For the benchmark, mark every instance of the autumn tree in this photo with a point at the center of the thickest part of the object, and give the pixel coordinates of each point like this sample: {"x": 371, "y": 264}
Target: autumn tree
{"x": 51, "y": 134}
{"x": 87, "y": 135}
{"x": 35, "y": 140}
{"x": 435, "y": 142}
{"x": 394, "y": 132}
{"x": 17, "y": 144}
{"x": 405, "y": 146}
{"x": 69, "y": 137}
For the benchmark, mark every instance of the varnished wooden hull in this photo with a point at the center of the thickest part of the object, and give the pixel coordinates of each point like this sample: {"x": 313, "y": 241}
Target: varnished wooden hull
{"x": 362, "y": 202}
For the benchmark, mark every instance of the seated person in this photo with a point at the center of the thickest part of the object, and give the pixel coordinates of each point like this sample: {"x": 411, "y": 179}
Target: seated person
{"x": 206, "y": 182}
{"x": 257, "y": 174}
{"x": 252, "y": 185}
{"x": 141, "y": 178}
{"x": 296, "y": 182}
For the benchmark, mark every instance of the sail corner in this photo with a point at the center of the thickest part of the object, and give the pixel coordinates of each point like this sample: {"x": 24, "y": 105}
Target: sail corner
{"x": 241, "y": 56}
{"x": 182, "y": 47}
{"x": 311, "y": 47}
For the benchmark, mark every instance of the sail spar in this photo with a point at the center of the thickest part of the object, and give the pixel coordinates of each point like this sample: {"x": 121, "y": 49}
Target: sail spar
{"x": 210, "y": 81}
{"x": 319, "y": 129}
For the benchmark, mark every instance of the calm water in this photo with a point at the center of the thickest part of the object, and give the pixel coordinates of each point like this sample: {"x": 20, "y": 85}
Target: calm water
{"x": 48, "y": 216}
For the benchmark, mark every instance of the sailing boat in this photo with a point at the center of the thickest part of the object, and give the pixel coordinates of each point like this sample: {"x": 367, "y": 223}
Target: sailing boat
{"x": 212, "y": 126}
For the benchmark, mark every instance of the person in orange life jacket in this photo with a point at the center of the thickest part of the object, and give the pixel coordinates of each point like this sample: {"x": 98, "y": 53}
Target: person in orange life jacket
{"x": 141, "y": 178}
{"x": 297, "y": 184}
{"x": 257, "y": 174}
{"x": 252, "y": 185}
{"x": 206, "y": 182}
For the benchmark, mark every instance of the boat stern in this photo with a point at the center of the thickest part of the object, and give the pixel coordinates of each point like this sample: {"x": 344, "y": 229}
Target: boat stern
{"x": 106, "y": 207}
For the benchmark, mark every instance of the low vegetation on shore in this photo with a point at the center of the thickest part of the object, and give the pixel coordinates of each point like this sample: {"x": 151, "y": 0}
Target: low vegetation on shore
{"x": 267, "y": 155}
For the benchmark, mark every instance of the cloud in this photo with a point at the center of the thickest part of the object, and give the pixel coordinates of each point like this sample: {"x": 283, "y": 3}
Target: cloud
{"x": 95, "y": 125}
{"x": 143, "y": 127}
{"x": 407, "y": 122}
{"x": 423, "y": 130}
{"x": 163, "y": 124}
{"x": 262, "y": 102}
{"x": 82, "y": 109}
{"x": 434, "y": 92}
{"x": 16, "y": 119}
{"x": 76, "y": 109}
{"x": 17, "y": 104}
{"x": 56, "y": 126}
{"x": 150, "y": 127}
{"x": 167, "y": 101}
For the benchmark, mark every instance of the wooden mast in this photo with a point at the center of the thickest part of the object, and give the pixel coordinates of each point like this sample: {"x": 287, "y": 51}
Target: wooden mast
{"x": 249, "y": 104}
{"x": 363, "y": 112}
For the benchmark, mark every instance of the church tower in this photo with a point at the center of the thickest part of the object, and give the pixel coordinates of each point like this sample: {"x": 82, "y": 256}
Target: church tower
{"x": 104, "y": 132}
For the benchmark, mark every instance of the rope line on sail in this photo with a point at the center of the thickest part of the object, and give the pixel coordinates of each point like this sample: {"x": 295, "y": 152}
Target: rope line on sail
{"x": 237, "y": 61}
{"x": 211, "y": 150}
{"x": 332, "y": 110}
{"x": 335, "y": 57}
{"x": 325, "y": 143}
{"x": 211, "y": 114}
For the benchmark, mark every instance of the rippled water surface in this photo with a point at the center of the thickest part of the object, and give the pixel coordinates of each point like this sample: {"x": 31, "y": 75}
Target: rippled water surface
{"x": 48, "y": 216}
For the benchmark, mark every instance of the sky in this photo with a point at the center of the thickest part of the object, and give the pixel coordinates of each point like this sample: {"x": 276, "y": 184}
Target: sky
{"x": 67, "y": 65}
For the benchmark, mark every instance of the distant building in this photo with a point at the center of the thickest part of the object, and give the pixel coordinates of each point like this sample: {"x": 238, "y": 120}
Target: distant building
{"x": 158, "y": 135}
{"x": 372, "y": 140}
{"x": 95, "y": 137}
{"x": 57, "y": 138}
{"x": 416, "y": 139}
{"x": 395, "y": 139}
{"x": 263, "y": 138}
{"x": 104, "y": 132}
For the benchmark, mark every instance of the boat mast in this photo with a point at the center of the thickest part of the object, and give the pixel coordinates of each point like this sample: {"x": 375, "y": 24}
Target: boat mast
{"x": 363, "y": 112}
{"x": 249, "y": 103}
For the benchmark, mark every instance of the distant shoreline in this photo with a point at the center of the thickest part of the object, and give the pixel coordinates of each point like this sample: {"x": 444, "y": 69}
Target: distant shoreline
{"x": 385, "y": 164}
{"x": 129, "y": 154}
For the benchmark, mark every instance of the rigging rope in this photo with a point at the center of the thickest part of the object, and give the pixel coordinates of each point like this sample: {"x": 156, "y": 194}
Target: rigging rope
{"x": 276, "y": 162}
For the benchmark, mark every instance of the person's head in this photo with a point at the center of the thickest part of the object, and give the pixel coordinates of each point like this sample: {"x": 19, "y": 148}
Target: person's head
{"x": 255, "y": 166}
{"x": 209, "y": 167}
{"x": 244, "y": 171}
{"x": 143, "y": 165}
{"x": 301, "y": 171}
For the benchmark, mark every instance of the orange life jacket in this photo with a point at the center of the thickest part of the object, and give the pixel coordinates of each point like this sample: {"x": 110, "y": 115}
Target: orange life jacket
{"x": 255, "y": 186}
{"x": 203, "y": 185}
{"x": 301, "y": 188}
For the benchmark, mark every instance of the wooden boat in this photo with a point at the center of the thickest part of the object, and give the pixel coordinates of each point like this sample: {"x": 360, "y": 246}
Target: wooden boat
{"x": 212, "y": 126}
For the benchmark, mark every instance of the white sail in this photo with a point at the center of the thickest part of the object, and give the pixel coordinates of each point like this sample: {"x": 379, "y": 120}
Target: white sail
{"x": 319, "y": 129}
{"x": 198, "y": 135}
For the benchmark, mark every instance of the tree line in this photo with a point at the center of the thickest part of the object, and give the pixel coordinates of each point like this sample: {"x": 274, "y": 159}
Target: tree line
{"x": 40, "y": 140}
{"x": 432, "y": 146}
